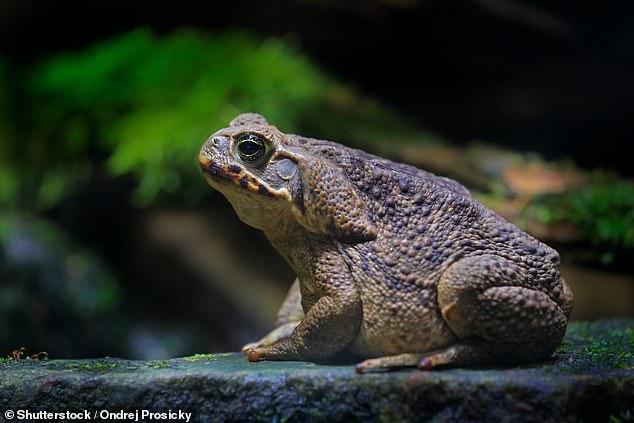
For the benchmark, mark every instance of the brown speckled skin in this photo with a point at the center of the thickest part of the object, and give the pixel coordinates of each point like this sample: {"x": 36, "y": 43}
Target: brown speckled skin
{"x": 392, "y": 261}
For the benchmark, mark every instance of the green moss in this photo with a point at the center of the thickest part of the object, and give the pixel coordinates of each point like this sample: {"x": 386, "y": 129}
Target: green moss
{"x": 609, "y": 350}
{"x": 209, "y": 357}
{"x": 99, "y": 366}
{"x": 25, "y": 359}
{"x": 197, "y": 357}
{"x": 595, "y": 347}
{"x": 160, "y": 364}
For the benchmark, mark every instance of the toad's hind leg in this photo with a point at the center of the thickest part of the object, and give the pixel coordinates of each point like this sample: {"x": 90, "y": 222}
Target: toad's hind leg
{"x": 489, "y": 303}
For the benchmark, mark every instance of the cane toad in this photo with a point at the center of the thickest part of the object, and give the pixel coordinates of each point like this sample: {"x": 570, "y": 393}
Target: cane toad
{"x": 396, "y": 264}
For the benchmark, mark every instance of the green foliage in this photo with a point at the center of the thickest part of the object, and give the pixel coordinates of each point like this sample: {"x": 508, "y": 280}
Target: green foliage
{"x": 152, "y": 102}
{"x": 146, "y": 104}
{"x": 8, "y": 177}
{"x": 606, "y": 212}
{"x": 603, "y": 211}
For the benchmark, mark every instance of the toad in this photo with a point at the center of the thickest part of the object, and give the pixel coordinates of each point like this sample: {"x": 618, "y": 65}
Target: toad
{"x": 394, "y": 264}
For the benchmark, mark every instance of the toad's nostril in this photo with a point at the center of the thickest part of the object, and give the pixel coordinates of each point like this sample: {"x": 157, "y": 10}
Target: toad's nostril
{"x": 219, "y": 141}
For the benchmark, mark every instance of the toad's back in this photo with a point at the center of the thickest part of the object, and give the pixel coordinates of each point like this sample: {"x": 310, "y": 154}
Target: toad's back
{"x": 425, "y": 224}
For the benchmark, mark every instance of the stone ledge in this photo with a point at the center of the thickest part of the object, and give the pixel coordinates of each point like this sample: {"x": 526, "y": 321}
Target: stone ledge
{"x": 590, "y": 378}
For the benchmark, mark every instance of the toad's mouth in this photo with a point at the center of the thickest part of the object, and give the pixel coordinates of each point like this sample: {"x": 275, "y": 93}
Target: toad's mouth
{"x": 211, "y": 169}
{"x": 216, "y": 176}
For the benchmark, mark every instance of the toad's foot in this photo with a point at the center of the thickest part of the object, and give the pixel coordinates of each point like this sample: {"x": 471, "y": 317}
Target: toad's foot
{"x": 390, "y": 362}
{"x": 450, "y": 356}
{"x": 465, "y": 352}
{"x": 280, "y": 332}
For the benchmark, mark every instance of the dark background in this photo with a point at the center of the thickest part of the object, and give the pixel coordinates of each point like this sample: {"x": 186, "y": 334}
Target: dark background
{"x": 553, "y": 77}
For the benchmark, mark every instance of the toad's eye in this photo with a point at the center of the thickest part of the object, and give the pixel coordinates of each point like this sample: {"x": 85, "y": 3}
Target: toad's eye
{"x": 251, "y": 147}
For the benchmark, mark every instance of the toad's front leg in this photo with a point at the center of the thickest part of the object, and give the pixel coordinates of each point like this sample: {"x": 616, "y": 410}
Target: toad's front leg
{"x": 288, "y": 317}
{"x": 330, "y": 324}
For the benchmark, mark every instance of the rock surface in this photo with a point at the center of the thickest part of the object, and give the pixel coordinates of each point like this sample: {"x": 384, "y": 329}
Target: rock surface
{"x": 590, "y": 378}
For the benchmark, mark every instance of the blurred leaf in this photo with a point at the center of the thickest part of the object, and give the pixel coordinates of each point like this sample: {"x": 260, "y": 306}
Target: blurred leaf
{"x": 602, "y": 210}
{"x": 145, "y": 104}
{"x": 8, "y": 185}
{"x": 5, "y": 119}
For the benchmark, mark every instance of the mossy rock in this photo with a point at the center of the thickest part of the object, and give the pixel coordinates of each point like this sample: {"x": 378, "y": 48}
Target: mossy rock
{"x": 590, "y": 378}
